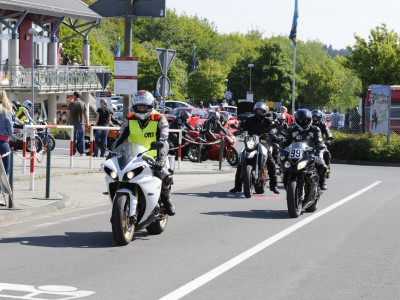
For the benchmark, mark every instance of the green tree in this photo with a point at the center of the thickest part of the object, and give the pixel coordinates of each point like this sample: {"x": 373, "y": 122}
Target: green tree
{"x": 376, "y": 61}
{"x": 207, "y": 81}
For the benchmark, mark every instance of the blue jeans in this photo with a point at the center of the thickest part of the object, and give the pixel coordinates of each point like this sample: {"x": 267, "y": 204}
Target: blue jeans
{"x": 79, "y": 138}
{"x": 100, "y": 138}
{"x": 4, "y": 148}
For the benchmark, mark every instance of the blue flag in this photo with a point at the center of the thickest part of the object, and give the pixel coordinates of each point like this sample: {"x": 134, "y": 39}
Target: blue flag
{"x": 194, "y": 60}
{"x": 117, "y": 52}
{"x": 293, "y": 31}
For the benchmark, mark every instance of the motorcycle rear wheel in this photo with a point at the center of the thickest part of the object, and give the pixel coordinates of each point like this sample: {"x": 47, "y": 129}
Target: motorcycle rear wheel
{"x": 157, "y": 227}
{"x": 193, "y": 153}
{"x": 122, "y": 229}
{"x": 293, "y": 200}
{"x": 232, "y": 157}
{"x": 248, "y": 182}
{"x": 38, "y": 144}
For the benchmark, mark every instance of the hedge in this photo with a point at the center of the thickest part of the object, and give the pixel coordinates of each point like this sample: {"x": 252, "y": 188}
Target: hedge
{"x": 361, "y": 147}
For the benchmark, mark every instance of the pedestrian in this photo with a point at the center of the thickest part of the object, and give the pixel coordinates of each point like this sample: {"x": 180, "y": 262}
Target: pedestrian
{"x": 335, "y": 120}
{"x": 288, "y": 118}
{"x": 347, "y": 120}
{"x": 224, "y": 103}
{"x": 77, "y": 115}
{"x": 233, "y": 103}
{"x": 201, "y": 105}
{"x": 66, "y": 60}
{"x": 103, "y": 118}
{"x": 355, "y": 120}
{"x": 6, "y": 128}
{"x": 214, "y": 101}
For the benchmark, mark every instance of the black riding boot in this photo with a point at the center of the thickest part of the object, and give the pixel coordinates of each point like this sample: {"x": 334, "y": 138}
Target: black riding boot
{"x": 238, "y": 183}
{"x": 273, "y": 181}
{"x": 166, "y": 200}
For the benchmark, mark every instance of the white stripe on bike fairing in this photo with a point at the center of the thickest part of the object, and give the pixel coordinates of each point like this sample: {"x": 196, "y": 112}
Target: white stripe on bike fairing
{"x": 200, "y": 281}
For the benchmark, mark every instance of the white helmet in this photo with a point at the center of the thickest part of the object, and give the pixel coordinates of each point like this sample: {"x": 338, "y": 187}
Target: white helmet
{"x": 28, "y": 104}
{"x": 143, "y": 98}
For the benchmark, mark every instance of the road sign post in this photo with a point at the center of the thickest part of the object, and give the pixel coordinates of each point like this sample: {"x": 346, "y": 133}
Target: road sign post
{"x": 165, "y": 57}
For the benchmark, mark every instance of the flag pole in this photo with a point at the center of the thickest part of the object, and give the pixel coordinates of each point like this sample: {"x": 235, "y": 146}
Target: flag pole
{"x": 294, "y": 80}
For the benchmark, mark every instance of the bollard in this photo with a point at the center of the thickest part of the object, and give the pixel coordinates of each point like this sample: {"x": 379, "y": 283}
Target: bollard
{"x": 221, "y": 151}
{"x": 200, "y": 146}
{"x": 48, "y": 164}
{"x": 11, "y": 179}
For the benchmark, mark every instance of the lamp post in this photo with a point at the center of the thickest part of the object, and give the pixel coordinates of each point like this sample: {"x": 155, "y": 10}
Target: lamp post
{"x": 33, "y": 31}
{"x": 250, "y": 66}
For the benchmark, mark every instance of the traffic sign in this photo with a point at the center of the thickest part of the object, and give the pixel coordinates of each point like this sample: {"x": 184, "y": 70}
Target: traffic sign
{"x": 165, "y": 57}
{"x": 163, "y": 86}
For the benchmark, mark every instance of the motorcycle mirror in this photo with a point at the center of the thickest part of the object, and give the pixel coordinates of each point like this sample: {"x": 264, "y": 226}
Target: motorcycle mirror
{"x": 156, "y": 145}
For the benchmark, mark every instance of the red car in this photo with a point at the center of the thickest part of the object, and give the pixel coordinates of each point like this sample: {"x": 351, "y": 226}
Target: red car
{"x": 231, "y": 120}
{"x": 195, "y": 114}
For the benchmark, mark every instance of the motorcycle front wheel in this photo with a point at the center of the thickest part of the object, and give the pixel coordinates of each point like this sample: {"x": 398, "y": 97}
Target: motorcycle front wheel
{"x": 248, "y": 182}
{"x": 51, "y": 143}
{"x": 122, "y": 229}
{"x": 293, "y": 199}
{"x": 232, "y": 157}
{"x": 157, "y": 226}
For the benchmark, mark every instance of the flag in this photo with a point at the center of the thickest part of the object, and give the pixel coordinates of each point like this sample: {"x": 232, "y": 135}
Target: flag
{"x": 117, "y": 52}
{"x": 194, "y": 60}
{"x": 293, "y": 31}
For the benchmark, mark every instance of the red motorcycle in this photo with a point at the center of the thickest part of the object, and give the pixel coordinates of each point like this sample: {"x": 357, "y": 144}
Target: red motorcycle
{"x": 212, "y": 150}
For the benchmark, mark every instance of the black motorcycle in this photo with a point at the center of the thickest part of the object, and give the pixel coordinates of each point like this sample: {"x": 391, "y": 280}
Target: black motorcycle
{"x": 300, "y": 178}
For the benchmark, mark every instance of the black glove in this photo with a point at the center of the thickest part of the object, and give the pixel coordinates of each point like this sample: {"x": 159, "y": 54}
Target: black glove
{"x": 158, "y": 165}
{"x": 110, "y": 155}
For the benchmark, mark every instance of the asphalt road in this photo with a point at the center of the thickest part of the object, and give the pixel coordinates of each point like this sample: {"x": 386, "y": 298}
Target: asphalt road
{"x": 221, "y": 247}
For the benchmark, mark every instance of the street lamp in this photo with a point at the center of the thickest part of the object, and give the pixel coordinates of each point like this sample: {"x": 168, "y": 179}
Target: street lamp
{"x": 226, "y": 84}
{"x": 33, "y": 31}
{"x": 250, "y": 66}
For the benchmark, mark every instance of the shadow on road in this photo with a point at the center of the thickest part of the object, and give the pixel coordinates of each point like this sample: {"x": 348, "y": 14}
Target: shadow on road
{"x": 72, "y": 240}
{"x": 254, "y": 214}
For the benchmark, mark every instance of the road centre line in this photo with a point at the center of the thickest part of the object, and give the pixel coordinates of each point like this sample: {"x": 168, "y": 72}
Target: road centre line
{"x": 203, "y": 279}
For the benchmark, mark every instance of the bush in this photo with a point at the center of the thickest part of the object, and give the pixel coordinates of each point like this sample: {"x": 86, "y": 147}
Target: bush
{"x": 362, "y": 147}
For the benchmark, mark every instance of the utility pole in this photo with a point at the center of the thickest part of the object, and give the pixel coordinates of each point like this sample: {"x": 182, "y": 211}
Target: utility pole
{"x": 128, "y": 45}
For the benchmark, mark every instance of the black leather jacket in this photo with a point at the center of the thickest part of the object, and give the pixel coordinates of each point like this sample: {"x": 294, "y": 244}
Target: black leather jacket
{"x": 325, "y": 131}
{"x": 179, "y": 123}
{"x": 257, "y": 125}
{"x": 296, "y": 133}
{"x": 210, "y": 127}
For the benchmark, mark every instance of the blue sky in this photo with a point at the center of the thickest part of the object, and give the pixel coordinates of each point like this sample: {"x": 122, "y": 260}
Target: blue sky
{"x": 330, "y": 22}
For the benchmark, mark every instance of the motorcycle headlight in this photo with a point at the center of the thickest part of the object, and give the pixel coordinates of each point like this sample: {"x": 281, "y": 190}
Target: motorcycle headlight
{"x": 113, "y": 174}
{"x": 130, "y": 175}
{"x": 250, "y": 144}
{"x": 301, "y": 165}
{"x": 287, "y": 165}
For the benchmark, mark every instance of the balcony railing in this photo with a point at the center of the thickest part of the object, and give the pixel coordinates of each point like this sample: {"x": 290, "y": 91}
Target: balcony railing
{"x": 51, "y": 78}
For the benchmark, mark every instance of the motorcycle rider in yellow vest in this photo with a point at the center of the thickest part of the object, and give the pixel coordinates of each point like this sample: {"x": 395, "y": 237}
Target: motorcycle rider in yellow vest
{"x": 145, "y": 126}
{"x": 23, "y": 112}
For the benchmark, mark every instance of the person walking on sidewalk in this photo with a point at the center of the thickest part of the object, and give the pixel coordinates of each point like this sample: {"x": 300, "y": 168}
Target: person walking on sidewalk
{"x": 77, "y": 117}
{"x": 6, "y": 128}
{"x": 103, "y": 118}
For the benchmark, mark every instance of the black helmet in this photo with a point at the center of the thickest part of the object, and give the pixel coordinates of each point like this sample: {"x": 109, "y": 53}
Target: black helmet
{"x": 185, "y": 115}
{"x": 215, "y": 116}
{"x": 303, "y": 118}
{"x": 316, "y": 116}
{"x": 260, "y": 105}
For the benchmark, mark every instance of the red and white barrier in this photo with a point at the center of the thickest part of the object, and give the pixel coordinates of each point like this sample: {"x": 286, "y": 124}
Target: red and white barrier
{"x": 92, "y": 128}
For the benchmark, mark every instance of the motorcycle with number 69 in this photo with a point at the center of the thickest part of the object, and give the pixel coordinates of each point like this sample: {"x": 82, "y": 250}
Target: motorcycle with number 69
{"x": 300, "y": 178}
{"x": 134, "y": 191}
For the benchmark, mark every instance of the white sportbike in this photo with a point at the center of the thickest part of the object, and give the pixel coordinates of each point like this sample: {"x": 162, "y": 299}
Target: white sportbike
{"x": 134, "y": 191}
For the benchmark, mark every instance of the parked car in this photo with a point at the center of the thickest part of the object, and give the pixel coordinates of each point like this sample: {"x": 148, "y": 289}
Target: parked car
{"x": 231, "y": 109}
{"x": 172, "y": 104}
{"x": 196, "y": 114}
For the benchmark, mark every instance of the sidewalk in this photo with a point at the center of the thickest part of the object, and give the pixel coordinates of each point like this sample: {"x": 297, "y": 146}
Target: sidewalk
{"x": 82, "y": 186}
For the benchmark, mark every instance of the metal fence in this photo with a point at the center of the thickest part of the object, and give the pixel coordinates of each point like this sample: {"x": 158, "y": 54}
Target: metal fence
{"x": 354, "y": 123}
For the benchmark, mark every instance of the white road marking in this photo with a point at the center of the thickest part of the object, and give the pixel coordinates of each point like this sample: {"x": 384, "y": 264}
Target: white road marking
{"x": 200, "y": 281}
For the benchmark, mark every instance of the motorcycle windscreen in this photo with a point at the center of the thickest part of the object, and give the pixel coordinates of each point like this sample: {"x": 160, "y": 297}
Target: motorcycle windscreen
{"x": 127, "y": 152}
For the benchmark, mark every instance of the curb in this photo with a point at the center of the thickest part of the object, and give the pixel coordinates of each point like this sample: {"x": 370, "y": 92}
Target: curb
{"x": 364, "y": 163}
{"x": 16, "y": 215}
